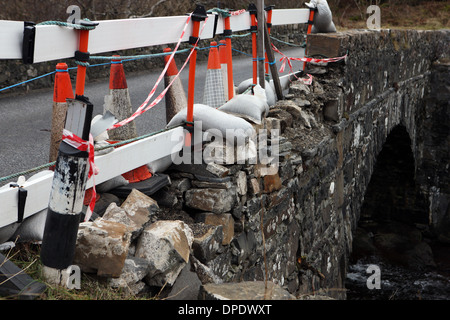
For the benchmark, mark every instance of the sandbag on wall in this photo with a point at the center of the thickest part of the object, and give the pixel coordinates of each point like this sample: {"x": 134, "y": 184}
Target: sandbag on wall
{"x": 250, "y": 107}
{"x": 214, "y": 119}
{"x": 269, "y": 90}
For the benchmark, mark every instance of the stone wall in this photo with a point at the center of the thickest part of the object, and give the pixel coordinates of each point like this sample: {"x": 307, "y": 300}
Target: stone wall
{"x": 294, "y": 225}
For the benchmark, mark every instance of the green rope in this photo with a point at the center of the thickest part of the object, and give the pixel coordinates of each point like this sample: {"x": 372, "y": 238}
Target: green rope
{"x": 289, "y": 44}
{"x": 142, "y": 56}
{"x": 66, "y": 24}
{"x": 118, "y": 144}
{"x": 15, "y": 175}
{"x": 223, "y": 12}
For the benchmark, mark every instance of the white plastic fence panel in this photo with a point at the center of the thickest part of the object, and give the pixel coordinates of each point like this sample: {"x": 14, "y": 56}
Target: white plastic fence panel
{"x": 110, "y": 165}
{"x": 55, "y": 42}
{"x": 11, "y": 35}
{"x": 289, "y": 16}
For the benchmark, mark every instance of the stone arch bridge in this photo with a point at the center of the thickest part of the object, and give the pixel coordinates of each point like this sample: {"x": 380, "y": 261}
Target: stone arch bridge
{"x": 297, "y": 226}
{"x": 334, "y": 131}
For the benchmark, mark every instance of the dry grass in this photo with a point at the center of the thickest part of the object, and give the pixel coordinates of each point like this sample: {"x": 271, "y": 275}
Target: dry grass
{"x": 27, "y": 257}
{"x": 427, "y": 15}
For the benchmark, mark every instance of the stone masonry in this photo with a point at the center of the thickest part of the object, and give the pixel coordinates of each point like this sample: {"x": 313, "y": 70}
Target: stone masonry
{"x": 293, "y": 226}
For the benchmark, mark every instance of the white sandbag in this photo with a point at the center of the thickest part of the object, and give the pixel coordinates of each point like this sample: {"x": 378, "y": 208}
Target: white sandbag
{"x": 110, "y": 184}
{"x": 8, "y": 231}
{"x": 32, "y": 228}
{"x": 269, "y": 90}
{"x": 323, "y": 18}
{"x": 160, "y": 165}
{"x": 250, "y": 107}
{"x": 215, "y": 119}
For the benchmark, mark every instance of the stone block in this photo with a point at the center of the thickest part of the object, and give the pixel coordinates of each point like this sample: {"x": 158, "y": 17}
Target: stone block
{"x": 166, "y": 245}
{"x": 326, "y": 44}
{"x": 241, "y": 182}
{"x": 225, "y": 220}
{"x": 187, "y": 285}
{"x": 207, "y": 243}
{"x": 217, "y": 170}
{"x": 331, "y": 110}
{"x": 139, "y": 207}
{"x": 284, "y": 117}
{"x": 247, "y": 290}
{"x": 290, "y": 106}
{"x": 117, "y": 214}
{"x": 134, "y": 270}
{"x": 253, "y": 186}
{"x": 215, "y": 200}
{"x": 272, "y": 183}
{"x": 102, "y": 247}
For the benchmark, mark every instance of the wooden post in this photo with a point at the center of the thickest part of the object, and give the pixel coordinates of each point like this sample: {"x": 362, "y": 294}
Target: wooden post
{"x": 261, "y": 26}
{"x": 273, "y": 67}
{"x": 269, "y": 26}
{"x": 253, "y": 29}
{"x": 198, "y": 15}
{"x": 312, "y": 11}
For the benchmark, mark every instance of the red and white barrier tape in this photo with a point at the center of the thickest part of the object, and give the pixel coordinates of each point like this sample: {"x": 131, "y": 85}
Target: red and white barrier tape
{"x": 285, "y": 59}
{"x": 143, "y": 108}
{"x": 88, "y": 146}
{"x": 238, "y": 12}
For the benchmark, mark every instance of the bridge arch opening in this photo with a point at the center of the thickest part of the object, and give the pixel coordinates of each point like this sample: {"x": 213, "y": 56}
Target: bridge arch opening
{"x": 393, "y": 232}
{"x": 393, "y": 194}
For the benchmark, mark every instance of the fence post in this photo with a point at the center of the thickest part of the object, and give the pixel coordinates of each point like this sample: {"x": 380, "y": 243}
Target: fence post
{"x": 228, "y": 32}
{"x": 198, "y": 15}
{"x": 312, "y": 11}
{"x": 66, "y": 196}
{"x": 269, "y": 26}
{"x": 69, "y": 179}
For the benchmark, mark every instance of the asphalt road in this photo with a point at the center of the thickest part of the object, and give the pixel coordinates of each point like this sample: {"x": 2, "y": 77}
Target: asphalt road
{"x": 25, "y": 120}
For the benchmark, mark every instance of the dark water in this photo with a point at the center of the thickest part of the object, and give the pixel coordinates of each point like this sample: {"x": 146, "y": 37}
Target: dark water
{"x": 397, "y": 282}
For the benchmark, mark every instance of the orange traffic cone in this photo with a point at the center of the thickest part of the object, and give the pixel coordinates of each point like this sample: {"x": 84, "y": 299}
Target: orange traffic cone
{"x": 175, "y": 96}
{"x": 118, "y": 102}
{"x": 62, "y": 91}
{"x": 213, "y": 94}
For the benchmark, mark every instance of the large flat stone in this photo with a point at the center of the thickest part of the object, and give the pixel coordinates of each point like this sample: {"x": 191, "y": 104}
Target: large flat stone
{"x": 213, "y": 200}
{"x": 102, "y": 247}
{"x": 248, "y": 290}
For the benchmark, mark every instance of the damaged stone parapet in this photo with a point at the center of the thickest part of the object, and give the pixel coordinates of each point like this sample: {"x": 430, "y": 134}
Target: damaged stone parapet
{"x": 291, "y": 223}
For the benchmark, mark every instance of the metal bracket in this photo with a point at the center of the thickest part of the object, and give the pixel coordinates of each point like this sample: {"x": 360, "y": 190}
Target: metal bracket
{"x": 29, "y": 34}
{"x": 21, "y": 201}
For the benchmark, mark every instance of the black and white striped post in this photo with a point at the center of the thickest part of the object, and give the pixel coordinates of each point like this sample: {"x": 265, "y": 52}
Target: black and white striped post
{"x": 67, "y": 195}
{"x": 70, "y": 177}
